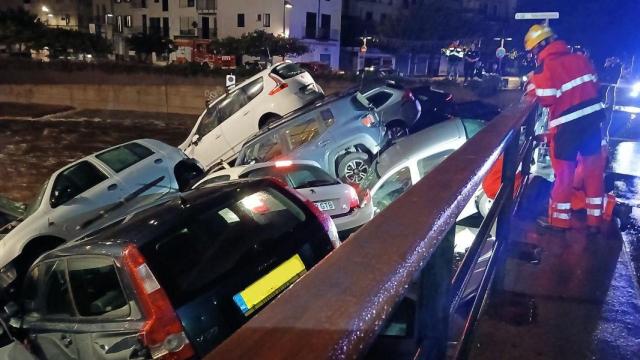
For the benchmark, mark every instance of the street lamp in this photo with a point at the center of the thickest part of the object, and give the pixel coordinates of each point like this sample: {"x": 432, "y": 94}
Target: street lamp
{"x": 285, "y": 5}
{"x": 45, "y": 8}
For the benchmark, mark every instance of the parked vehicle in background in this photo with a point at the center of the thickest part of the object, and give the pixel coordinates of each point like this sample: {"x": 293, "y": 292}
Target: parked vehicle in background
{"x": 409, "y": 159}
{"x": 174, "y": 280}
{"x": 338, "y": 200}
{"x": 396, "y": 106}
{"x": 234, "y": 117}
{"x": 341, "y": 133}
{"x": 196, "y": 50}
{"x": 90, "y": 193}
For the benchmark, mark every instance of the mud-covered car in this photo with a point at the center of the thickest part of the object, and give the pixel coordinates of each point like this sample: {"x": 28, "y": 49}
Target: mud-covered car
{"x": 90, "y": 193}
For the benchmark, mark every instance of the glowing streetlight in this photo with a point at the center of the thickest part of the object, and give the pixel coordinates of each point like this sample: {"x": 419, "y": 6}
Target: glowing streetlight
{"x": 286, "y": 5}
{"x": 45, "y": 8}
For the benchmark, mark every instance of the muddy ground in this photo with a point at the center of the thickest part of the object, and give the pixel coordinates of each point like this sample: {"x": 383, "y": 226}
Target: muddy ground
{"x": 30, "y": 150}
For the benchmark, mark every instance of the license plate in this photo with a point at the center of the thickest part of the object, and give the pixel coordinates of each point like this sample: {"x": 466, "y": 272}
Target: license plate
{"x": 325, "y": 205}
{"x": 270, "y": 285}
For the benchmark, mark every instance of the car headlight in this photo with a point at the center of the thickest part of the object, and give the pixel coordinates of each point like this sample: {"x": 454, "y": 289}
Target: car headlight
{"x": 635, "y": 89}
{"x": 7, "y": 275}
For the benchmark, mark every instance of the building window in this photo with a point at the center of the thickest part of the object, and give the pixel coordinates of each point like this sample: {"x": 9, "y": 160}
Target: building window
{"x": 127, "y": 21}
{"x": 325, "y": 27}
{"x": 310, "y": 26}
{"x": 165, "y": 27}
{"x": 143, "y": 4}
{"x": 186, "y": 25}
{"x": 187, "y": 3}
{"x": 154, "y": 25}
{"x": 144, "y": 24}
{"x": 325, "y": 59}
{"x": 119, "y": 27}
{"x": 266, "y": 20}
{"x": 165, "y": 5}
{"x": 240, "y": 20}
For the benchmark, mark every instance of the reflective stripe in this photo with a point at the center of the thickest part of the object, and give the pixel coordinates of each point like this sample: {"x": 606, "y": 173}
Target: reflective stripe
{"x": 594, "y": 201}
{"x": 563, "y": 206}
{"x": 575, "y": 82}
{"x": 562, "y": 216}
{"x": 594, "y": 212}
{"x": 547, "y": 92}
{"x": 530, "y": 87}
{"x": 576, "y": 114}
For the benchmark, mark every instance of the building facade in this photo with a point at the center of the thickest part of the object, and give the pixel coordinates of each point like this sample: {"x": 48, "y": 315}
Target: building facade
{"x": 315, "y": 22}
{"x": 67, "y": 14}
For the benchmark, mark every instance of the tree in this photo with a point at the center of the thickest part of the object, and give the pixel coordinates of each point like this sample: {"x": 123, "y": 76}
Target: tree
{"x": 145, "y": 44}
{"x": 258, "y": 43}
{"x": 19, "y": 27}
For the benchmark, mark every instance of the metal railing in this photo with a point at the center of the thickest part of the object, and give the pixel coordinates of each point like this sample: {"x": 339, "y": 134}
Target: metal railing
{"x": 339, "y": 308}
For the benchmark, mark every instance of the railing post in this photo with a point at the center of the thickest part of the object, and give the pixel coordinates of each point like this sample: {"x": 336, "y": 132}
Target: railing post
{"x": 433, "y": 301}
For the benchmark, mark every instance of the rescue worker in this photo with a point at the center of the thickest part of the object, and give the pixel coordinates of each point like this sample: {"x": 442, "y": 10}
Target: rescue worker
{"x": 471, "y": 57}
{"x": 454, "y": 53}
{"x": 566, "y": 83}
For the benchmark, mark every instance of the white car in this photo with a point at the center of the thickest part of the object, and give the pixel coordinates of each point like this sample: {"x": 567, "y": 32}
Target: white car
{"x": 91, "y": 193}
{"x": 234, "y": 117}
{"x": 409, "y": 159}
{"x": 338, "y": 200}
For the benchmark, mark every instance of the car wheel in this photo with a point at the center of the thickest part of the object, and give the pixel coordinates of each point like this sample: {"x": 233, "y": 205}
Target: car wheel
{"x": 268, "y": 120}
{"x": 353, "y": 167}
{"x": 397, "y": 130}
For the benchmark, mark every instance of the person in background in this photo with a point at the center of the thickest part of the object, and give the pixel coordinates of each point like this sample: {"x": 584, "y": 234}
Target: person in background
{"x": 454, "y": 53}
{"x": 471, "y": 57}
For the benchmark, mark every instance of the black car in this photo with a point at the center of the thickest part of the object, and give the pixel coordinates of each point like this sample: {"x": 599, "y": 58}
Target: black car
{"x": 175, "y": 280}
{"x": 436, "y": 105}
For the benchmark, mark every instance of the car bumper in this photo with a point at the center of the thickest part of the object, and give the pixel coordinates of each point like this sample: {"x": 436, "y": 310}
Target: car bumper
{"x": 358, "y": 217}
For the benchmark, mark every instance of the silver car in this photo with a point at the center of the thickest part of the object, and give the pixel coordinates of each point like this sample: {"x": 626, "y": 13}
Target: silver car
{"x": 341, "y": 133}
{"x": 338, "y": 200}
{"x": 396, "y": 106}
{"x": 91, "y": 193}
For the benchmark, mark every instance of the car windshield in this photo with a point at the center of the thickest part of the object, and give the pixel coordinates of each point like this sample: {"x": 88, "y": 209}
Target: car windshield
{"x": 298, "y": 176}
{"x": 35, "y": 204}
{"x": 287, "y": 71}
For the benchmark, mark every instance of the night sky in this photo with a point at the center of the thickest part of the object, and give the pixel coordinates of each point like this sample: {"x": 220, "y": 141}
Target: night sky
{"x": 605, "y": 27}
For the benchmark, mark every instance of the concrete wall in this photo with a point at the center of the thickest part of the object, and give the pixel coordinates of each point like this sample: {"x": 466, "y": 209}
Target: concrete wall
{"x": 183, "y": 99}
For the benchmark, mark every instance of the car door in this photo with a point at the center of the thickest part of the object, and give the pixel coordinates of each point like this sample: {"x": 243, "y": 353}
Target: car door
{"x": 244, "y": 113}
{"x": 49, "y": 313}
{"x": 144, "y": 173}
{"x": 208, "y": 143}
{"x": 108, "y": 322}
{"x": 78, "y": 196}
{"x": 391, "y": 187}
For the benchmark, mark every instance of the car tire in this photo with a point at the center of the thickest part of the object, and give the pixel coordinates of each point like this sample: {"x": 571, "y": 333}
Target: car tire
{"x": 353, "y": 167}
{"x": 268, "y": 120}
{"x": 396, "y": 130}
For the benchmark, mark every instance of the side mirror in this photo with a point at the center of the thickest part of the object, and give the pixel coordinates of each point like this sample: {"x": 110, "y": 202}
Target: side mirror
{"x": 60, "y": 195}
{"x": 195, "y": 139}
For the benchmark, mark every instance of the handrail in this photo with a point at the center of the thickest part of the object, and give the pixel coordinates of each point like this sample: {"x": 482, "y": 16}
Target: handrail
{"x": 337, "y": 309}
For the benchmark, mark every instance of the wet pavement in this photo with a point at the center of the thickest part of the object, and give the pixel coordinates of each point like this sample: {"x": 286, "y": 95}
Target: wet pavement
{"x": 30, "y": 150}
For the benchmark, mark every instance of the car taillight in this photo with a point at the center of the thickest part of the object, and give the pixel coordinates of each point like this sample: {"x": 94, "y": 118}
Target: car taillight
{"x": 408, "y": 96}
{"x": 284, "y": 163}
{"x": 162, "y": 331}
{"x": 368, "y": 120}
{"x": 280, "y": 85}
{"x": 354, "y": 201}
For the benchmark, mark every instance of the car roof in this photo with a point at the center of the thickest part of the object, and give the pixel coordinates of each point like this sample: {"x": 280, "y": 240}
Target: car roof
{"x": 146, "y": 225}
{"x": 409, "y": 146}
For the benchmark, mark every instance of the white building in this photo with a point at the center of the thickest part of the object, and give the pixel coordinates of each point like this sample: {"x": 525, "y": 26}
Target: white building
{"x": 315, "y": 22}
{"x": 67, "y": 14}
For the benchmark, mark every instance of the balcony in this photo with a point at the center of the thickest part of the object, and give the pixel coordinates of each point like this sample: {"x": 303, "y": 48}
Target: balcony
{"x": 206, "y": 6}
{"x": 323, "y": 34}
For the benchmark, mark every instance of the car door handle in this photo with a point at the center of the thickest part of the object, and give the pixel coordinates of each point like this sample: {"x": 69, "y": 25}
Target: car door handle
{"x": 66, "y": 340}
{"x": 112, "y": 187}
{"x": 157, "y": 161}
{"x": 246, "y": 113}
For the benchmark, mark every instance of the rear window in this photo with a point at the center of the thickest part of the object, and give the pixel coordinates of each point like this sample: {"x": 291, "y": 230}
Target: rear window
{"x": 242, "y": 236}
{"x": 124, "y": 156}
{"x": 287, "y": 71}
{"x": 297, "y": 176}
{"x": 472, "y": 127}
{"x": 380, "y": 98}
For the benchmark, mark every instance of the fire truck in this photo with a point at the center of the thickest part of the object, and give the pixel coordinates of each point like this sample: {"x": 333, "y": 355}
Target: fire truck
{"x": 195, "y": 50}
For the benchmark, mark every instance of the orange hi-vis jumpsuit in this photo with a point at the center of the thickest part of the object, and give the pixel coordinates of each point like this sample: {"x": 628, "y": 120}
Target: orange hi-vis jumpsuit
{"x": 566, "y": 83}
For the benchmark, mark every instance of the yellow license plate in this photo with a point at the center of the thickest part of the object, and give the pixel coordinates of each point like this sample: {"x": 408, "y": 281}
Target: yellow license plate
{"x": 270, "y": 285}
